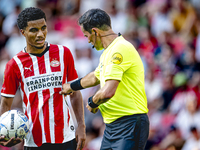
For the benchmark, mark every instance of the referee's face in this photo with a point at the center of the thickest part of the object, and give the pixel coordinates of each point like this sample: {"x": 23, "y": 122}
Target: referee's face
{"x": 35, "y": 33}
{"x": 93, "y": 38}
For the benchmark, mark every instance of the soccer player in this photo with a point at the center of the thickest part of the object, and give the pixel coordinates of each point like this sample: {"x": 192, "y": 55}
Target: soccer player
{"x": 121, "y": 98}
{"x": 39, "y": 70}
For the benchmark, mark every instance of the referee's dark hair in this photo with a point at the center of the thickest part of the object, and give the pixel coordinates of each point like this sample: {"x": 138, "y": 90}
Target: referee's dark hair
{"x": 29, "y": 14}
{"x": 95, "y": 18}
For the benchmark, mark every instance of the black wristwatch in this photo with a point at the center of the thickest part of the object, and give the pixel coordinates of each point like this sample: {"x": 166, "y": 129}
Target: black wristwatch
{"x": 91, "y": 103}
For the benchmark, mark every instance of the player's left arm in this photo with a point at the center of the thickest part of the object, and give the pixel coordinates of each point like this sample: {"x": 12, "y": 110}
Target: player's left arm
{"x": 77, "y": 105}
{"x": 103, "y": 95}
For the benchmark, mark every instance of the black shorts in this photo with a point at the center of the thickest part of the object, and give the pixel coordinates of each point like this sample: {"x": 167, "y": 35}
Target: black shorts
{"x": 126, "y": 133}
{"x": 71, "y": 145}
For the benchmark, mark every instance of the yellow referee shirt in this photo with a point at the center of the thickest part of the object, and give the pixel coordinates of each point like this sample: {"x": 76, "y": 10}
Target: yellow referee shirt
{"x": 120, "y": 61}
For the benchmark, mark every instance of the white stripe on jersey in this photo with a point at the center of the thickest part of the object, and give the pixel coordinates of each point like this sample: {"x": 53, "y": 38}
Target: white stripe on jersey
{"x": 51, "y": 118}
{"x": 65, "y": 131}
{"x": 40, "y": 96}
{"x": 61, "y": 52}
{"x": 51, "y": 108}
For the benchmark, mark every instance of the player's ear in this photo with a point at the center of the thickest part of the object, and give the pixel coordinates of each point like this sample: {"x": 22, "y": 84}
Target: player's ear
{"x": 22, "y": 32}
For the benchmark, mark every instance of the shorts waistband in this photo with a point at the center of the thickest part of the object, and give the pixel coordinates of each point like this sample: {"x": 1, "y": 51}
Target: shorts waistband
{"x": 127, "y": 117}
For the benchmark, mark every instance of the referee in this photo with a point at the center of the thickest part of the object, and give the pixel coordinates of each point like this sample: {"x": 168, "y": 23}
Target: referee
{"x": 121, "y": 98}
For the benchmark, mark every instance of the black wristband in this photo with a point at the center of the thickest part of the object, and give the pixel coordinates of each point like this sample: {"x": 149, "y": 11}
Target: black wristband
{"x": 76, "y": 85}
{"x": 91, "y": 103}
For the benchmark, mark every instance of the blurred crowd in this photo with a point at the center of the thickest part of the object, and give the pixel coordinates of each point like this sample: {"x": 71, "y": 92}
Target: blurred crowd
{"x": 166, "y": 33}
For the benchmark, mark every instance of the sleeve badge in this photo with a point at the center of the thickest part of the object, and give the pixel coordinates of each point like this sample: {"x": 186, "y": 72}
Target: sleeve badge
{"x": 117, "y": 58}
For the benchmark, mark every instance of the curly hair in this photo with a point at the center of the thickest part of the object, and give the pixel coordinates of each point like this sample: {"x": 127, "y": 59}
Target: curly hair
{"x": 95, "y": 18}
{"x": 29, "y": 14}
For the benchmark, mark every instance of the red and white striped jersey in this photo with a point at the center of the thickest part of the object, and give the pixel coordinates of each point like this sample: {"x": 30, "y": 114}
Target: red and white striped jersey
{"x": 40, "y": 78}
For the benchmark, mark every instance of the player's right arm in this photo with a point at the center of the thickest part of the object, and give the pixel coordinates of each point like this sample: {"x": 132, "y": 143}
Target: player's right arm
{"x": 9, "y": 88}
{"x": 5, "y": 105}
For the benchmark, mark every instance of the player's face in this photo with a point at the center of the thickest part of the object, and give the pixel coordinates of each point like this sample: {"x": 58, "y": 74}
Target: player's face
{"x": 35, "y": 33}
{"x": 93, "y": 39}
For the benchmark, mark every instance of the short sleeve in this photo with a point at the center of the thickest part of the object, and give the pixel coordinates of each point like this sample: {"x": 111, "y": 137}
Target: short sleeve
{"x": 71, "y": 71}
{"x": 119, "y": 61}
{"x": 10, "y": 81}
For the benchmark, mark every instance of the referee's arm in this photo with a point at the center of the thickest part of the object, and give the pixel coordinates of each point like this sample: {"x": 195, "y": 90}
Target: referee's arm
{"x": 89, "y": 80}
{"x": 106, "y": 92}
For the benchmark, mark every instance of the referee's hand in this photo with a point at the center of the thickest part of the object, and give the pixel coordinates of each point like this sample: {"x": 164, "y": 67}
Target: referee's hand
{"x": 66, "y": 89}
{"x": 92, "y": 110}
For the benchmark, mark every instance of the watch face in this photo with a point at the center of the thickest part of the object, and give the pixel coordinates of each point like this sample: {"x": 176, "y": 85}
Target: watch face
{"x": 90, "y": 103}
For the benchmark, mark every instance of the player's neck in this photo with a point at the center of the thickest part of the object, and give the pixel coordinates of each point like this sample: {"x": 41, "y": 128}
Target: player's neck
{"x": 35, "y": 50}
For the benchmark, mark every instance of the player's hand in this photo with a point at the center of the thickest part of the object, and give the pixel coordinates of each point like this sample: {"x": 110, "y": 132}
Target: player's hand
{"x": 66, "y": 89}
{"x": 80, "y": 137}
{"x": 93, "y": 110}
{"x": 11, "y": 142}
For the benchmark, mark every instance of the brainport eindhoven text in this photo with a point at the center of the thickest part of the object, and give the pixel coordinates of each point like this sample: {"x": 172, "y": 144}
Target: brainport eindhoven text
{"x": 43, "y": 83}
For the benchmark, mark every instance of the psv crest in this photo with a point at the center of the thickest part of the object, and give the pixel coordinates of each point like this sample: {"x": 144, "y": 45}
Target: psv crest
{"x": 55, "y": 63}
